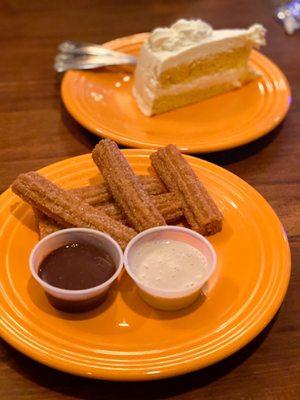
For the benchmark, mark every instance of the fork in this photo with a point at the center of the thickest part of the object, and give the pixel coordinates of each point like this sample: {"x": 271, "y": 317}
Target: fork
{"x": 80, "y": 55}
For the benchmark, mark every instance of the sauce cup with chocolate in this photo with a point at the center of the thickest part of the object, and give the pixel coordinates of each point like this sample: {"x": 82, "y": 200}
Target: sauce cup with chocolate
{"x": 169, "y": 265}
{"x": 76, "y": 267}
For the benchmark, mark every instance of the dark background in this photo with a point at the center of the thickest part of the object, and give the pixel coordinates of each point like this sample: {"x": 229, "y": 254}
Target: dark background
{"x": 35, "y": 130}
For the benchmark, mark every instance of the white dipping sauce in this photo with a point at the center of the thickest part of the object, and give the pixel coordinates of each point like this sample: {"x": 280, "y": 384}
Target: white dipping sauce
{"x": 168, "y": 264}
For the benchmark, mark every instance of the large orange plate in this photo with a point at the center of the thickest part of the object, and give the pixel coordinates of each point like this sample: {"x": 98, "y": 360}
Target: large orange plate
{"x": 102, "y": 102}
{"x": 125, "y": 339}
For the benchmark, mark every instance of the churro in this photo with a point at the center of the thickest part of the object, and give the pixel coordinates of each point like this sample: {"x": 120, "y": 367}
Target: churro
{"x": 66, "y": 208}
{"x": 44, "y": 224}
{"x": 152, "y": 184}
{"x": 169, "y": 206}
{"x": 125, "y": 187}
{"x": 98, "y": 194}
{"x": 167, "y": 203}
{"x": 198, "y": 207}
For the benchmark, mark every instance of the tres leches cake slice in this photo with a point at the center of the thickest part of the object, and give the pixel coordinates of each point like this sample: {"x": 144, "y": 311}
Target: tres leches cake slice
{"x": 190, "y": 61}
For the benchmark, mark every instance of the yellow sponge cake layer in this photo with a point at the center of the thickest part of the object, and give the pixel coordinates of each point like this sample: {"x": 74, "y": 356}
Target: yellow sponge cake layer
{"x": 167, "y": 103}
{"x": 236, "y": 58}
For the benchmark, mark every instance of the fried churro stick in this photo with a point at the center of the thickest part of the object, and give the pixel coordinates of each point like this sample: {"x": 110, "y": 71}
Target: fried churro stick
{"x": 167, "y": 203}
{"x": 125, "y": 187}
{"x": 198, "y": 207}
{"x": 152, "y": 184}
{"x": 66, "y": 208}
{"x": 98, "y": 194}
{"x": 169, "y": 206}
{"x": 93, "y": 195}
{"x": 44, "y": 224}
{"x": 113, "y": 211}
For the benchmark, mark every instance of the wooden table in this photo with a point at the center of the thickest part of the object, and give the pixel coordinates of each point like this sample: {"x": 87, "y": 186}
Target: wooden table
{"x": 36, "y": 130}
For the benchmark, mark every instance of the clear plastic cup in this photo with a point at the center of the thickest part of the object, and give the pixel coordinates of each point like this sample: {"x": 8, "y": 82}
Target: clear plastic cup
{"x": 169, "y": 299}
{"x": 75, "y": 300}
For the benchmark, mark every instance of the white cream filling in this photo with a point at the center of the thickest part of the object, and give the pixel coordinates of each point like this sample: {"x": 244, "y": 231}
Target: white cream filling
{"x": 147, "y": 91}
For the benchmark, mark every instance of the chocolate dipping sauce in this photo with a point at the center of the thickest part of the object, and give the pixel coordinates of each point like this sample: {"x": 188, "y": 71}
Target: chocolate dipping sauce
{"x": 77, "y": 266}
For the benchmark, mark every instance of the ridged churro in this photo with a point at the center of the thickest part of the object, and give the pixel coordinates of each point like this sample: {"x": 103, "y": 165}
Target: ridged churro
{"x": 98, "y": 194}
{"x": 169, "y": 206}
{"x": 166, "y": 203}
{"x": 152, "y": 184}
{"x": 198, "y": 207}
{"x": 124, "y": 186}
{"x": 44, "y": 224}
{"x": 66, "y": 208}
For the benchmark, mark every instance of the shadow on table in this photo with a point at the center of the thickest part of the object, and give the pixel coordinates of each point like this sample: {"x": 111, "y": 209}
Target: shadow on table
{"x": 221, "y": 157}
{"x": 83, "y": 388}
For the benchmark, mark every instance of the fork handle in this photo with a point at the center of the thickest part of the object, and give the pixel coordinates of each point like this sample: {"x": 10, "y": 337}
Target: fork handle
{"x": 83, "y": 48}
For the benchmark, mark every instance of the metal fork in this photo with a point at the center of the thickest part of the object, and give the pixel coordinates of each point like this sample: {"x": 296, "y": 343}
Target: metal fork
{"x": 80, "y": 55}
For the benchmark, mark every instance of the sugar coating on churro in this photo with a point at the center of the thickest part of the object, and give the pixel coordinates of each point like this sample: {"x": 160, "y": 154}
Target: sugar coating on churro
{"x": 125, "y": 187}
{"x": 98, "y": 194}
{"x": 198, "y": 207}
{"x": 152, "y": 184}
{"x": 169, "y": 206}
{"x": 66, "y": 208}
{"x": 94, "y": 195}
{"x": 44, "y": 224}
{"x": 167, "y": 203}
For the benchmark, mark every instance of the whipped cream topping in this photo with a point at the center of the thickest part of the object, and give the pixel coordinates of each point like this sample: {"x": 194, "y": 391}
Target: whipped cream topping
{"x": 164, "y": 39}
{"x": 257, "y": 34}
{"x": 181, "y": 34}
{"x": 192, "y": 30}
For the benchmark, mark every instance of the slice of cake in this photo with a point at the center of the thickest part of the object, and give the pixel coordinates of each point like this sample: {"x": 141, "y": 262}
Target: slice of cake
{"x": 190, "y": 61}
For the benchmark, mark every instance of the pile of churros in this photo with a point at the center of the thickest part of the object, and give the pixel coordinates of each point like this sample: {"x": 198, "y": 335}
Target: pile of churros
{"x": 125, "y": 203}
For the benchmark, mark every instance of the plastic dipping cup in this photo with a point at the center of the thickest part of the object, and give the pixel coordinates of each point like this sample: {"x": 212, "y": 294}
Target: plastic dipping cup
{"x": 75, "y": 300}
{"x": 169, "y": 299}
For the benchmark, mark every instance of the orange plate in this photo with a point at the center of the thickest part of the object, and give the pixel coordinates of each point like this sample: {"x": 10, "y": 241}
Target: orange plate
{"x": 124, "y": 339}
{"x": 102, "y": 102}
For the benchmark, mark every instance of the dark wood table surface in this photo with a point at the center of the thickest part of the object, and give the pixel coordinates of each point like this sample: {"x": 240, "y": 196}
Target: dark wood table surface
{"x": 36, "y": 130}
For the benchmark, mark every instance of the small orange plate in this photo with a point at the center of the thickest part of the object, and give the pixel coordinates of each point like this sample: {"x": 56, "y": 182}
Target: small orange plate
{"x": 102, "y": 102}
{"x": 125, "y": 339}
